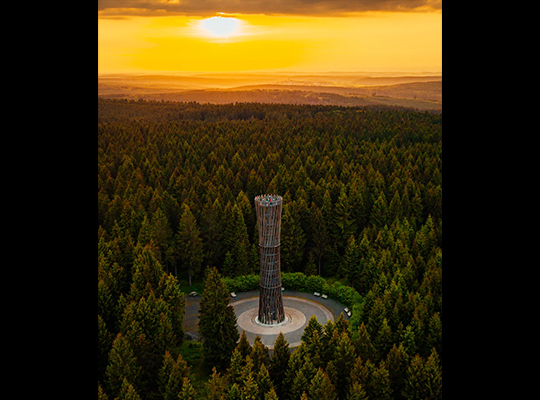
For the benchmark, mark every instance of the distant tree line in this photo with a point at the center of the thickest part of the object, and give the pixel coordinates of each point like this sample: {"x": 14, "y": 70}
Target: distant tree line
{"x": 329, "y": 96}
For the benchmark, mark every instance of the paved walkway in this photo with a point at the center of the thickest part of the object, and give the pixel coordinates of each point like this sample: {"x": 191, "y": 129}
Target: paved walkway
{"x": 246, "y": 302}
{"x": 191, "y": 318}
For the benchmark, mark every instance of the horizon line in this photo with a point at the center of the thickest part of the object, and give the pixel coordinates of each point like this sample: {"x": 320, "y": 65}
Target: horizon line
{"x": 416, "y": 72}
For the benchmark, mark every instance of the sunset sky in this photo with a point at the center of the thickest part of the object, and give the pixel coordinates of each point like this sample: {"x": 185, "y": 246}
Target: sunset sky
{"x": 160, "y": 36}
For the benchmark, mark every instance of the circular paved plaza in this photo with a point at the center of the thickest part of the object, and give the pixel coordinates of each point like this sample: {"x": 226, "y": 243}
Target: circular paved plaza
{"x": 298, "y": 312}
{"x": 297, "y": 307}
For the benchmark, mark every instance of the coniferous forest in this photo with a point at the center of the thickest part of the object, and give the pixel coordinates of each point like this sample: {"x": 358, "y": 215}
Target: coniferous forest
{"x": 363, "y": 206}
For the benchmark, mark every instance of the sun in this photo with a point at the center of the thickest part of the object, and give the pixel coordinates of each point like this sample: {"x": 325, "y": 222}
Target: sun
{"x": 221, "y": 27}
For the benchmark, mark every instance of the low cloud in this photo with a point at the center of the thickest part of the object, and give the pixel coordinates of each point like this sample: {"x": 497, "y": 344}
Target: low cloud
{"x": 271, "y": 7}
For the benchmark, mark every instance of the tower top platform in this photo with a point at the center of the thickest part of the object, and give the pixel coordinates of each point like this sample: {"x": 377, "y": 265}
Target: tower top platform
{"x": 269, "y": 200}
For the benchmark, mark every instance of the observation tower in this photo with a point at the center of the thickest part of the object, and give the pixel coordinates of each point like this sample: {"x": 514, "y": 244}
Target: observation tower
{"x": 269, "y": 213}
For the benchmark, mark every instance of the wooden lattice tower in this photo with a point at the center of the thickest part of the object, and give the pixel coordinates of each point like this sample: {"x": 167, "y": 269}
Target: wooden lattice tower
{"x": 269, "y": 213}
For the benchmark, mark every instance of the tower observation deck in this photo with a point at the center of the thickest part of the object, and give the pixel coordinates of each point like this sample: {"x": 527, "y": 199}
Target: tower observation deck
{"x": 269, "y": 213}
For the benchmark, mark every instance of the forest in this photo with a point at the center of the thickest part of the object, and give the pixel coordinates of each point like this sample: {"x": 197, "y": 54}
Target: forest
{"x": 362, "y": 188}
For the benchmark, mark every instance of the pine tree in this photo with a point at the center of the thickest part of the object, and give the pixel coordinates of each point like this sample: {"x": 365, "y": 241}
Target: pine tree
{"x": 189, "y": 244}
{"x": 435, "y": 334}
{"x": 344, "y": 225}
{"x": 217, "y": 325}
{"x": 101, "y": 393}
{"x": 247, "y": 370}
{"x": 321, "y": 387}
{"x": 308, "y": 369}
{"x": 211, "y": 232}
{"x": 188, "y": 391}
{"x": 379, "y": 384}
{"x": 106, "y": 306}
{"x": 357, "y": 199}
{"x": 364, "y": 345}
{"x": 237, "y": 365}
{"x": 234, "y": 393}
{"x": 351, "y": 261}
{"x": 165, "y": 373}
{"x": 122, "y": 365}
{"x": 128, "y": 392}
{"x": 379, "y": 214}
{"x": 397, "y": 363}
{"x": 165, "y": 338}
{"x": 417, "y": 209}
{"x": 264, "y": 382}
{"x": 383, "y": 341}
{"x": 311, "y": 267}
{"x": 162, "y": 235}
{"x": 299, "y": 385}
{"x": 148, "y": 329}
{"x": 341, "y": 326}
{"x": 415, "y": 383}
{"x": 271, "y": 395}
{"x": 259, "y": 355}
{"x": 245, "y": 258}
{"x": 377, "y": 314}
{"x": 313, "y": 326}
{"x": 246, "y": 207}
{"x": 147, "y": 275}
{"x": 216, "y": 387}
{"x": 229, "y": 265}
{"x": 360, "y": 373}
{"x": 344, "y": 361}
{"x": 426, "y": 239}
{"x": 249, "y": 389}
{"x": 255, "y": 259}
{"x": 172, "y": 295}
{"x": 357, "y": 392}
{"x": 316, "y": 384}
{"x": 238, "y": 262}
{"x": 395, "y": 212}
{"x": 329, "y": 341}
{"x": 296, "y": 362}
{"x": 434, "y": 379}
{"x": 320, "y": 236}
{"x": 105, "y": 340}
{"x": 244, "y": 346}
{"x": 293, "y": 240}
{"x": 146, "y": 232}
{"x": 409, "y": 341}
{"x": 172, "y": 375}
{"x": 279, "y": 365}
{"x": 366, "y": 252}
{"x": 315, "y": 350}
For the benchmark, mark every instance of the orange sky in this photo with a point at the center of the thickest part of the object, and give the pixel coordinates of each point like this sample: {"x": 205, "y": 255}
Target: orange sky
{"x": 359, "y": 41}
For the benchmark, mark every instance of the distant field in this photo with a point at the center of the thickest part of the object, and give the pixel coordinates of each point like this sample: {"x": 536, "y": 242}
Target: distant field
{"x": 419, "y": 92}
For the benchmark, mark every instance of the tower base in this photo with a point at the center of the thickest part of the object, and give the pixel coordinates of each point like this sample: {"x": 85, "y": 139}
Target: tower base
{"x": 271, "y": 310}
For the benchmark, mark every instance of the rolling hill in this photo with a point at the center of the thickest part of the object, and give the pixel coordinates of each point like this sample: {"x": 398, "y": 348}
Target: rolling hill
{"x": 417, "y": 92}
